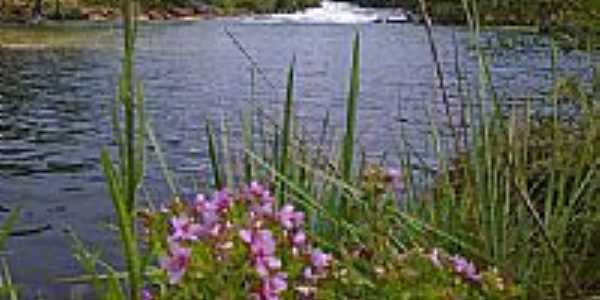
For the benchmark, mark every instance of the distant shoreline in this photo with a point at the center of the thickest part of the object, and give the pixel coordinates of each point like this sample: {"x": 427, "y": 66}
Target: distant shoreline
{"x": 101, "y": 15}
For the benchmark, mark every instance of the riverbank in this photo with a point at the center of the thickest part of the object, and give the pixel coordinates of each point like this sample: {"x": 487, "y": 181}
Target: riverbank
{"x": 21, "y": 15}
{"x": 548, "y": 15}
{"x": 34, "y": 12}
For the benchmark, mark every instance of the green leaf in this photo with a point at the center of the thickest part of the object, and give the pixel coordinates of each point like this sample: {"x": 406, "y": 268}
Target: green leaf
{"x": 286, "y": 134}
{"x": 212, "y": 153}
{"x": 7, "y": 226}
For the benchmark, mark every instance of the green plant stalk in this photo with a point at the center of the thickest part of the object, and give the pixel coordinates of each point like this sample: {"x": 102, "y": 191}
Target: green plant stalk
{"x": 247, "y": 134}
{"x": 7, "y": 287}
{"x": 212, "y": 153}
{"x": 348, "y": 146}
{"x": 164, "y": 168}
{"x": 286, "y": 134}
{"x": 565, "y": 268}
{"x": 125, "y": 225}
{"x": 125, "y": 206}
{"x": 228, "y": 163}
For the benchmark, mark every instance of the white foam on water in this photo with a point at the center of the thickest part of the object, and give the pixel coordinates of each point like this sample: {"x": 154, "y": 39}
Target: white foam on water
{"x": 330, "y": 12}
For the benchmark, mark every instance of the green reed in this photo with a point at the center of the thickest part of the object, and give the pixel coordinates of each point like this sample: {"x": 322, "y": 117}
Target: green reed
{"x": 287, "y": 128}
{"x": 129, "y": 133}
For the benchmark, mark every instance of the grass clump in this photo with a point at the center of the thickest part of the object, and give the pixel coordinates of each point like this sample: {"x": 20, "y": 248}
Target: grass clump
{"x": 526, "y": 195}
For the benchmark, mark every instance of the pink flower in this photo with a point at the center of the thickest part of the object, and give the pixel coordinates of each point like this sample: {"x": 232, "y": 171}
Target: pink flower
{"x": 262, "y": 248}
{"x": 395, "y": 177}
{"x": 246, "y": 236}
{"x": 264, "y": 207}
{"x": 209, "y": 211}
{"x": 263, "y": 243}
{"x": 261, "y": 199}
{"x": 265, "y": 264}
{"x": 319, "y": 259}
{"x": 308, "y": 273}
{"x": 394, "y": 174}
{"x": 289, "y": 218}
{"x": 184, "y": 229}
{"x": 465, "y": 268}
{"x": 273, "y": 286}
{"x": 146, "y": 295}
{"x": 204, "y": 206}
{"x": 256, "y": 189}
{"x": 199, "y": 202}
{"x": 176, "y": 263}
{"x": 222, "y": 200}
{"x": 299, "y": 239}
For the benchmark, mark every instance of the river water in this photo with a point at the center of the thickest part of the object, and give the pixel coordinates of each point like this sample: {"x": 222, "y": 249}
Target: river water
{"x": 57, "y": 86}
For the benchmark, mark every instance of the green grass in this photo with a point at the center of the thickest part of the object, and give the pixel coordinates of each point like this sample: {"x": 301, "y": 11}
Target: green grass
{"x": 124, "y": 180}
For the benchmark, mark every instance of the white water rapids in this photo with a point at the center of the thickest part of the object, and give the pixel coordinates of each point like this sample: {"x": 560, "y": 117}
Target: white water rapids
{"x": 330, "y": 12}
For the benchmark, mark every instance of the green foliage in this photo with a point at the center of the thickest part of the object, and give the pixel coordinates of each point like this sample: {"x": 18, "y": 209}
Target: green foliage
{"x": 347, "y": 154}
{"x": 287, "y": 128}
{"x": 214, "y": 163}
{"x": 517, "y": 195}
{"x": 124, "y": 179}
{"x": 419, "y": 275}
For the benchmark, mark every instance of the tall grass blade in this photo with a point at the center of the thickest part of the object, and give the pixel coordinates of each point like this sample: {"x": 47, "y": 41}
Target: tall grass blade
{"x": 7, "y": 226}
{"x": 7, "y": 287}
{"x": 351, "y": 108}
{"x": 212, "y": 153}
{"x": 228, "y": 161}
{"x": 140, "y": 138}
{"x": 164, "y": 168}
{"x": 248, "y": 139}
{"x": 286, "y": 134}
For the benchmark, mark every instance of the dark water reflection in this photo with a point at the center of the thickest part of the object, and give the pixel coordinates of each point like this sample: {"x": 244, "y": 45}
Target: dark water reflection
{"x": 55, "y": 101}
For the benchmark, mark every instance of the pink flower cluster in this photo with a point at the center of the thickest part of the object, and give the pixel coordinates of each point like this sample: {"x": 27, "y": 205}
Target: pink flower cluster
{"x": 465, "y": 268}
{"x": 263, "y": 245}
{"x": 204, "y": 222}
{"x": 459, "y": 265}
{"x": 265, "y": 231}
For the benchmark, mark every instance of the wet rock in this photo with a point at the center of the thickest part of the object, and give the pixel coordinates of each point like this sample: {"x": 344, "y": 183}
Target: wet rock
{"x": 180, "y": 12}
{"x": 4, "y": 209}
{"x": 143, "y": 17}
{"x": 17, "y": 14}
{"x": 203, "y": 8}
{"x": 94, "y": 15}
{"x": 112, "y": 14}
{"x": 155, "y": 15}
{"x": 73, "y": 13}
{"x": 31, "y": 231}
